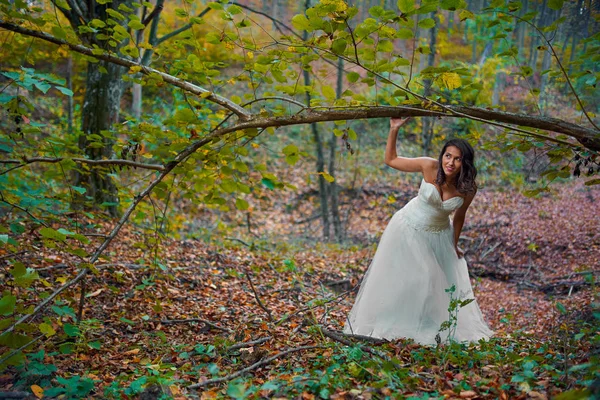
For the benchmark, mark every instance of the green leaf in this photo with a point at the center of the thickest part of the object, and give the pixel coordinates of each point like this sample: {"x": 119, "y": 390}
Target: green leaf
{"x": 115, "y": 14}
{"x": 268, "y": 183}
{"x": 64, "y": 90}
{"x": 215, "y": 6}
{"x": 50, "y": 233}
{"x": 328, "y": 92}
{"x": 47, "y": 329}
{"x": 42, "y": 86}
{"x": 426, "y": 23}
{"x": 406, "y": 6}
{"x": 97, "y": 23}
{"x": 136, "y": 25}
{"x": 300, "y": 22}
{"x": 78, "y": 189}
{"x": 236, "y": 390}
{"x": 95, "y": 345}
{"x": 466, "y": 14}
{"x": 7, "y": 304}
{"x": 241, "y": 204}
{"x": 404, "y": 33}
{"x": 180, "y": 12}
{"x": 555, "y": 4}
{"x": 18, "y": 270}
{"x": 385, "y": 46}
{"x": 71, "y": 330}
{"x": 339, "y": 45}
{"x": 560, "y": 307}
{"x": 353, "y": 77}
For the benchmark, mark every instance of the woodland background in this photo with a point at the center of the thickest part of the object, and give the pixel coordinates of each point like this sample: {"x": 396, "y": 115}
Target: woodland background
{"x": 190, "y": 193}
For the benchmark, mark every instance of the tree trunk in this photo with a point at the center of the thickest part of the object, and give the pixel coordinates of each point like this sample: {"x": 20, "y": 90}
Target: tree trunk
{"x": 533, "y": 55}
{"x": 428, "y": 122}
{"x": 520, "y": 36}
{"x": 498, "y": 88}
{"x": 70, "y": 98}
{"x": 320, "y": 155}
{"x": 100, "y": 111}
{"x": 333, "y": 192}
{"x": 546, "y": 63}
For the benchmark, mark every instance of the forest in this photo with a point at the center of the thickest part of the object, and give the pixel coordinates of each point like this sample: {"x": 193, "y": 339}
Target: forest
{"x": 191, "y": 193}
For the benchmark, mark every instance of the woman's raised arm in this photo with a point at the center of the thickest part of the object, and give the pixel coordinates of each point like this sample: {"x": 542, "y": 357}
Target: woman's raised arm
{"x": 405, "y": 164}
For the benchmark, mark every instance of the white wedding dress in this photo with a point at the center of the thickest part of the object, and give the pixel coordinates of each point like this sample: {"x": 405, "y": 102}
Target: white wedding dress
{"x": 403, "y": 293}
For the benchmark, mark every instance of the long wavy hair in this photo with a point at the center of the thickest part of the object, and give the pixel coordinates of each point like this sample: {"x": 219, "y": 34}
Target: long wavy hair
{"x": 465, "y": 182}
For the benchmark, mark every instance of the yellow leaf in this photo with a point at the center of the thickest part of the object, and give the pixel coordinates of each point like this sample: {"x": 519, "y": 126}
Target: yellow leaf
{"x": 135, "y": 69}
{"x": 451, "y": 80}
{"x": 250, "y": 55}
{"x": 327, "y": 177}
{"x": 205, "y": 95}
{"x": 37, "y": 391}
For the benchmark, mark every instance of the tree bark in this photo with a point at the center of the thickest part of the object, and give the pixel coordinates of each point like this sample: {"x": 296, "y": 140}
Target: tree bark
{"x": 101, "y": 107}
{"x": 333, "y": 192}
{"x": 428, "y": 122}
{"x": 320, "y": 155}
{"x": 102, "y": 102}
{"x": 70, "y": 99}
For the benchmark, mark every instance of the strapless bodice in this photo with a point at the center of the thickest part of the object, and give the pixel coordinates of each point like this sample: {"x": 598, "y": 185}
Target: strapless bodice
{"x": 428, "y": 211}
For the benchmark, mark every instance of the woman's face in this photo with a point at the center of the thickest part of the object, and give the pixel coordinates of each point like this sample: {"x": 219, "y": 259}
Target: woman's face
{"x": 452, "y": 161}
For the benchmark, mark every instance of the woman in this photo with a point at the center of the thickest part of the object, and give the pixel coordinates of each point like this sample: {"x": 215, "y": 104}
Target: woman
{"x": 405, "y": 290}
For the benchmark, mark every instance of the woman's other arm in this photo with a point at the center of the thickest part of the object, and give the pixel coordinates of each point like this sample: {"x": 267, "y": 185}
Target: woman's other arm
{"x": 404, "y": 164}
{"x": 459, "y": 221}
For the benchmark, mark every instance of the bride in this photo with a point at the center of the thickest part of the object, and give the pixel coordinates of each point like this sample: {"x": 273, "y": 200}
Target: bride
{"x": 406, "y": 291}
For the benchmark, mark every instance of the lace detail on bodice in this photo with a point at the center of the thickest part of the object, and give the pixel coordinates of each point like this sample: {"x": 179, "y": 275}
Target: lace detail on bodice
{"x": 427, "y": 211}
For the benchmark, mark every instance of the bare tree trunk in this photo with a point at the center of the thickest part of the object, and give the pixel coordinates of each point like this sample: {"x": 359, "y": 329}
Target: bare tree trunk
{"x": 536, "y": 39}
{"x": 333, "y": 192}
{"x": 428, "y": 122}
{"x": 521, "y": 27}
{"x": 70, "y": 99}
{"x": 498, "y": 88}
{"x": 320, "y": 155}
{"x": 546, "y": 63}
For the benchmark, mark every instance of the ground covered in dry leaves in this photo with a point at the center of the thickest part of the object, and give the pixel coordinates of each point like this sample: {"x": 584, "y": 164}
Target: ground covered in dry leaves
{"x": 183, "y": 321}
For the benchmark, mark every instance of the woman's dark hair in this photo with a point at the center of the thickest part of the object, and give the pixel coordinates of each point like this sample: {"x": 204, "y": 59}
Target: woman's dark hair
{"x": 465, "y": 182}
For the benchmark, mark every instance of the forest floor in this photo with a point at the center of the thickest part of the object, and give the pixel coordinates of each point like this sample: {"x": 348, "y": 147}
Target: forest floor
{"x": 152, "y": 331}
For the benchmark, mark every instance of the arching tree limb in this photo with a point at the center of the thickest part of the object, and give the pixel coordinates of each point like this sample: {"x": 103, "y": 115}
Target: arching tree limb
{"x": 589, "y": 138}
{"x": 187, "y": 86}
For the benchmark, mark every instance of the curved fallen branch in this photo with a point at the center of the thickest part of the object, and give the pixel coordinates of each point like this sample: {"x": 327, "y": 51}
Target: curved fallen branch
{"x": 251, "y": 367}
{"x": 342, "y": 338}
{"x": 189, "y": 320}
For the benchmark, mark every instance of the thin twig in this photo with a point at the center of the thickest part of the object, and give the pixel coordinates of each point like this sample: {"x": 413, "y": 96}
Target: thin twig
{"x": 260, "y": 303}
{"x": 190, "y": 320}
{"x": 249, "y": 344}
{"x": 251, "y": 367}
{"x": 13, "y": 254}
{"x": 15, "y": 351}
